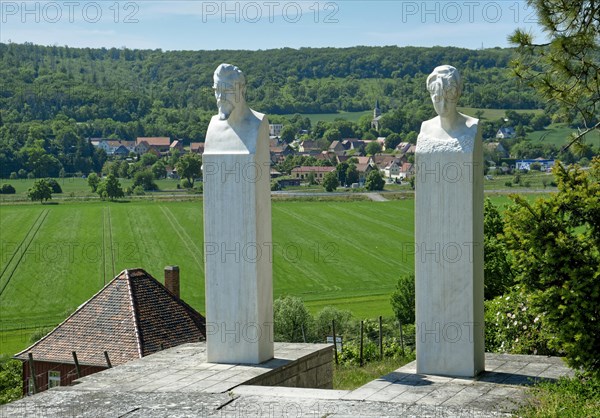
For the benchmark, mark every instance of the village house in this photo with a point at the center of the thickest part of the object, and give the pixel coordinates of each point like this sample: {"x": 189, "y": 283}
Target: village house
{"x": 496, "y": 148}
{"x": 353, "y": 143}
{"x": 407, "y": 170}
{"x": 392, "y": 170}
{"x": 384, "y": 160}
{"x": 337, "y": 147}
{"x": 176, "y": 145}
{"x": 303, "y": 172}
{"x": 280, "y": 152}
{"x": 110, "y": 146}
{"x": 544, "y": 164}
{"x": 505, "y": 133}
{"x": 159, "y": 145}
{"x": 309, "y": 146}
{"x": 275, "y": 129}
{"x": 133, "y": 316}
{"x": 197, "y": 147}
{"x": 406, "y": 148}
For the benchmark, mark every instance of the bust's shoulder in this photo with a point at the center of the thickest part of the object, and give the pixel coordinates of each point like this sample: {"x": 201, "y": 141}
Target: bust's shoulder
{"x": 470, "y": 121}
{"x": 431, "y": 122}
{"x": 260, "y": 116}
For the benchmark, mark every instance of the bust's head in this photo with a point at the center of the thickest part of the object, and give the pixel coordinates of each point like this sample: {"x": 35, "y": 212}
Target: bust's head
{"x": 445, "y": 86}
{"x": 230, "y": 89}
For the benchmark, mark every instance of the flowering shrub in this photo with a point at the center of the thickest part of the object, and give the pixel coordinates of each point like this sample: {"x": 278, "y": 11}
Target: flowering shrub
{"x": 512, "y": 325}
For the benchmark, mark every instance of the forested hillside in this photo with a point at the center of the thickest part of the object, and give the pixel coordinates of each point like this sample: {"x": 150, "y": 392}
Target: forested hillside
{"x": 53, "y": 98}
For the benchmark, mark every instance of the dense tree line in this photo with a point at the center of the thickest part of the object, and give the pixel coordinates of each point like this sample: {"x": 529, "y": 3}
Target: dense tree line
{"x": 54, "y": 98}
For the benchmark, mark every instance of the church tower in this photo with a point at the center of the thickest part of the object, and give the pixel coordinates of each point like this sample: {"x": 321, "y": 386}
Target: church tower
{"x": 376, "y": 116}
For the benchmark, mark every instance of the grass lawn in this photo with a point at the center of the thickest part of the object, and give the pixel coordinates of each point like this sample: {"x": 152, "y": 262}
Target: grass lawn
{"x": 349, "y": 377}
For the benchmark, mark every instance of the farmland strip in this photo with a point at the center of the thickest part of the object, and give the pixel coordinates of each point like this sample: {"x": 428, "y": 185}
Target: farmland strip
{"x": 39, "y": 225}
{"x": 110, "y": 238}
{"x": 169, "y": 215}
{"x": 21, "y": 243}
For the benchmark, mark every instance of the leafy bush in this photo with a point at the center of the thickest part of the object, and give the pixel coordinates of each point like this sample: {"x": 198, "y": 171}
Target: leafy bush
{"x": 323, "y": 322}
{"x": 292, "y": 321}
{"x": 497, "y": 271}
{"x": 508, "y": 184}
{"x": 144, "y": 179}
{"x": 513, "y": 325}
{"x": 7, "y": 189}
{"x": 275, "y": 186}
{"x": 138, "y": 191}
{"x": 403, "y": 299}
{"x": 186, "y": 184}
{"x": 555, "y": 244}
{"x": 10, "y": 380}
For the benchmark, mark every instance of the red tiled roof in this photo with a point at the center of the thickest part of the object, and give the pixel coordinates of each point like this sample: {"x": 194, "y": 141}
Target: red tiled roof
{"x": 406, "y": 167}
{"x": 160, "y": 141}
{"x": 130, "y": 318}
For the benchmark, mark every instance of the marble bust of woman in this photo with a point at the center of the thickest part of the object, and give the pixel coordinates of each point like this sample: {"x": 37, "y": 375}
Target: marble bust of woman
{"x": 450, "y": 130}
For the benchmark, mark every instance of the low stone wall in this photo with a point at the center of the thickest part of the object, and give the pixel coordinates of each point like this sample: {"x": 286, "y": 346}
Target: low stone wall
{"x": 314, "y": 370}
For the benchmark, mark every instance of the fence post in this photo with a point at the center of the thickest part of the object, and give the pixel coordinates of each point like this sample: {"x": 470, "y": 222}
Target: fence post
{"x": 107, "y": 360}
{"x": 303, "y": 334}
{"x": 32, "y": 374}
{"x": 77, "y": 368}
{"x": 361, "y": 343}
{"x": 401, "y": 337}
{"x": 380, "y": 339}
{"x": 334, "y": 341}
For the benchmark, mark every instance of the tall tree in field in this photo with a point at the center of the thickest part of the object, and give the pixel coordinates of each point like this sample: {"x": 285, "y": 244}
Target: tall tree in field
{"x": 330, "y": 181}
{"x": 566, "y": 69}
{"x": 189, "y": 167}
{"x": 40, "y": 190}
{"x": 374, "y": 181}
{"x": 93, "y": 181}
{"x": 110, "y": 188}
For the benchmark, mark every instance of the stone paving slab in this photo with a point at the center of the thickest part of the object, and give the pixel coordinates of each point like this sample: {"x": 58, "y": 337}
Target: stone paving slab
{"x": 497, "y": 391}
{"x": 179, "y": 383}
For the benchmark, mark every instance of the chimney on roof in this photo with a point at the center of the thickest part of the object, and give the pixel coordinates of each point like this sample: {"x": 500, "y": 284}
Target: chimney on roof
{"x": 172, "y": 279}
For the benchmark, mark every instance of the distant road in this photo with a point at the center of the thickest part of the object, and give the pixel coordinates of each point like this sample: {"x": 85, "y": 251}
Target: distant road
{"x": 376, "y": 197}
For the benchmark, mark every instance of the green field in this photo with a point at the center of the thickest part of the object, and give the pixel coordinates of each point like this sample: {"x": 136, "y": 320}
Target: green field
{"x": 54, "y": 257}
{"x": 328, "y": 117}
{"x": 495, "y": 114}
{"x": 78, "y": 187}
{"x": 559, "y": 133}
{"x": 530, "y": 180}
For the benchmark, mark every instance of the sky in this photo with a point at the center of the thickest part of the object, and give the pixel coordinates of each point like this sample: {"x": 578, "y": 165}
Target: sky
{"x": 253, "y": 25}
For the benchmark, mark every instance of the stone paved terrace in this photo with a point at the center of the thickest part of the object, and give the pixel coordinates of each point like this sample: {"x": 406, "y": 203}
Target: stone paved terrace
{"x": 178, "y": 383}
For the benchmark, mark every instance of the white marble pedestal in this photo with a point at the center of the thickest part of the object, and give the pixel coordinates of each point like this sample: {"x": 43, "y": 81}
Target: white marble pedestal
{"x": 449, "y": 256}
{"x": 238, "y": 248}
